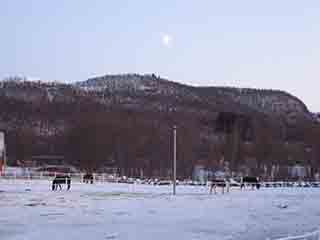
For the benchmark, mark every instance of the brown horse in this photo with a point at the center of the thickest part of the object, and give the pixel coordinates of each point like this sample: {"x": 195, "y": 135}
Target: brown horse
{"x": 219, "y": 183}
{"x": 61, "y": 179}
{"x": 88, "y": 178}
{"x": 251, "y": 181}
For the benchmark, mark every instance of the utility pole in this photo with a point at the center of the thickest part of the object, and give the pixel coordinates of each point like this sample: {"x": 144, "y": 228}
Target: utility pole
{"x": 4, "y": 157}
{"x": 174, "y": 159}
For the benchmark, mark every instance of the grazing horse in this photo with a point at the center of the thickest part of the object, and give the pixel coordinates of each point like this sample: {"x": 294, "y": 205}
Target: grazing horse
{"x": 88, "y": 178}
{"x": 62, "y": 179}
{"x": 219, "y": 183}
{"x": 252, "y": 181}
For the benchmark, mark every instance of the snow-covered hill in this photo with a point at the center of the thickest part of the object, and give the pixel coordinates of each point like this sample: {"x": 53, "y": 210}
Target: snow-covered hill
{"x": 268, "y": 101}
{"x": 135, "y": 90}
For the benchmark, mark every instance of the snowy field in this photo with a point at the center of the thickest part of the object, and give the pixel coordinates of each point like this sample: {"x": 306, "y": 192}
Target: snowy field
{"x": 29, "y": 210}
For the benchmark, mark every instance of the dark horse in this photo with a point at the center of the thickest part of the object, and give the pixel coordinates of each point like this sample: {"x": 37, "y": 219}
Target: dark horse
{"x": 61, "y": 179}
{"x": 252, "y": 181}
{"x": 88, "y": 178}
{"x": 219, "y": 183}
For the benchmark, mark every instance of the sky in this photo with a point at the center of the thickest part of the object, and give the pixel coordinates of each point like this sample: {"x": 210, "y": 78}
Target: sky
{"x": 270, "y": 44}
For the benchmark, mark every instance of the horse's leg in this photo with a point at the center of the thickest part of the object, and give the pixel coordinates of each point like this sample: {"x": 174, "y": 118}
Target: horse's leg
{"x": 215, "y": 189}
{"x": 211, "y": 189}
{"x": 222, "y": 189}
{"x": 69, "y": 184}
{"x": 60, "y": 186}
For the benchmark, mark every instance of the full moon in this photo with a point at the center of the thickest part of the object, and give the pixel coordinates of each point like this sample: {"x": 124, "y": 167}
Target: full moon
{"x": 166, "y": 40}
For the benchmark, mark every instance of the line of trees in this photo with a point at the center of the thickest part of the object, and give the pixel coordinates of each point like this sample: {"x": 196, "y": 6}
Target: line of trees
{"x": 140, "y": 143}
{"x": 136, "y": 143}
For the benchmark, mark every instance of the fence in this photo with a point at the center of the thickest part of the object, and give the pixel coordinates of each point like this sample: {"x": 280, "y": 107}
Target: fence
{"x": 76, "y": 177}
{"x": 308, "y": 236}
{"x": 19, "y": 174}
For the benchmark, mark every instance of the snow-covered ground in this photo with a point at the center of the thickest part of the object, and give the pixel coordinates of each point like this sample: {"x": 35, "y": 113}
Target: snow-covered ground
{"x": 29, "y": 210}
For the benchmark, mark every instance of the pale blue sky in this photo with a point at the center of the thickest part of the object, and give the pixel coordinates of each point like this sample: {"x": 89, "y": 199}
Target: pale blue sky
{"x": 247, "y": 43}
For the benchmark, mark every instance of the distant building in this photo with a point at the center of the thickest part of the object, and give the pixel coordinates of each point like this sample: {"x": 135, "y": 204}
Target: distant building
{"x": 298, "y": 171}
{"x": 220, "y": 174}
{"x": 200, "y": 173}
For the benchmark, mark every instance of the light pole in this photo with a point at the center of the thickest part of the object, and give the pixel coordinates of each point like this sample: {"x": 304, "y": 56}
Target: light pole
{"x": 174, "y": 158}
{"x": 4, "y": 158}
{"x": 309, "y": 162}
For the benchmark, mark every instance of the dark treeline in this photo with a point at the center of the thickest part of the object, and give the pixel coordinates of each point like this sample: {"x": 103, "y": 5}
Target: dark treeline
{"x": 140, "y": 143}
{"x": 133, "y": 142}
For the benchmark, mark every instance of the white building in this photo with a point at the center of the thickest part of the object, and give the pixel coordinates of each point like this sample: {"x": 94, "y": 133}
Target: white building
{"x": 200, "y": 174}
{"x": 298, "y": 171}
